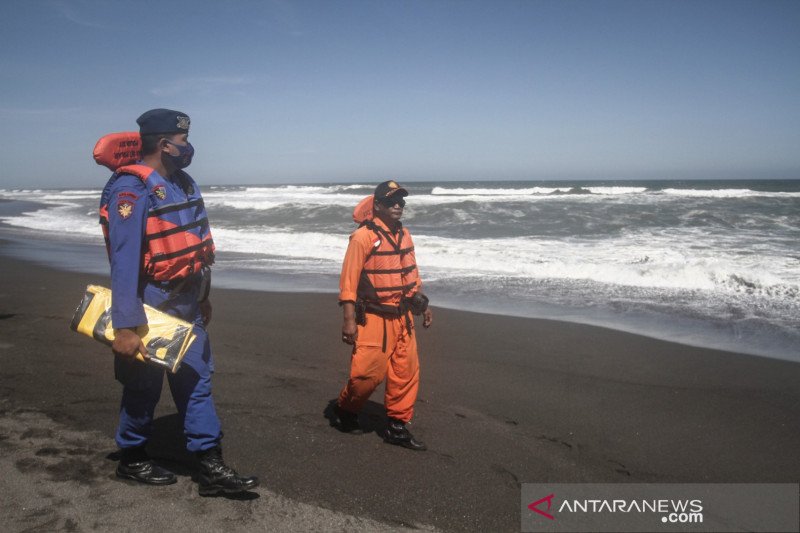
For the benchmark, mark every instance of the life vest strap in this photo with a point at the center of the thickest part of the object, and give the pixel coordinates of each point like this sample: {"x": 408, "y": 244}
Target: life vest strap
{"x": 172, "y": 255}
{"x": 404, "y": 270}
{"x": 403, "y": 288}
{"x": 177, "y": 229}
{"x": 379, "y": 231}
{"x": 175, "y": 207}
{"x": 395, "y": 252}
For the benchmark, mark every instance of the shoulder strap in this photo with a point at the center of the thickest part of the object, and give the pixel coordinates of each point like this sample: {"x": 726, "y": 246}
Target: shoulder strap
{"x": 140, "y": 171}
{"x": 379, "y": 231}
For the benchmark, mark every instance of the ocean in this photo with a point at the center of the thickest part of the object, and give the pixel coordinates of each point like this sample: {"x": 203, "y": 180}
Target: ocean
{"x": 708, "y": 263}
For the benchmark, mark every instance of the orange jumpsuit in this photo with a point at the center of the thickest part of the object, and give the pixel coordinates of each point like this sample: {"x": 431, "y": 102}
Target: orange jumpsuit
{"x": 381, "y": 268}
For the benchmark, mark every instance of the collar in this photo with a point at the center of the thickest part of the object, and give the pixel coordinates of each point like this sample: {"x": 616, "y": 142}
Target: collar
{"x": 378, "y": 222}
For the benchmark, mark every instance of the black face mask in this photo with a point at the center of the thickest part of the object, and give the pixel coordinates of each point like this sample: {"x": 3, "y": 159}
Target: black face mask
{"x": 184, "y": 157}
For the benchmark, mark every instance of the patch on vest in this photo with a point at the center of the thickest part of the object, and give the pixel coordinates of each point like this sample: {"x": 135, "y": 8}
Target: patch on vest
{"x": 124, "y": 209}
{"x": 160, "y": 191}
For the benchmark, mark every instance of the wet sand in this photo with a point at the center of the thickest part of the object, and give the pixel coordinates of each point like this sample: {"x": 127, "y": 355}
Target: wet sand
{"x": 503, "y": 401}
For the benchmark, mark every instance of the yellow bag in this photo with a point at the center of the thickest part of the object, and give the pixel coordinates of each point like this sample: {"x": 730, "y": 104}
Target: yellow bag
{"x": 166, "y": 337}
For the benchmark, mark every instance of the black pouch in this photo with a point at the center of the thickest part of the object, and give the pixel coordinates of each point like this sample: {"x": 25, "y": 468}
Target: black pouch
{"x": 205, "y": 284}
{"x": 418, "y": 304}
{"x": 361, "y": 312}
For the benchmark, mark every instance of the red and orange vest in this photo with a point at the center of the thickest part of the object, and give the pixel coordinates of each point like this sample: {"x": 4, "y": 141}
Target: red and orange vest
{"x": 390, "y": 270}
{"x": 172, "y": 249}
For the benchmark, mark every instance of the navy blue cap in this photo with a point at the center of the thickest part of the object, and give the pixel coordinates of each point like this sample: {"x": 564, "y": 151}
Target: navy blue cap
{"x": 163, "y": 121}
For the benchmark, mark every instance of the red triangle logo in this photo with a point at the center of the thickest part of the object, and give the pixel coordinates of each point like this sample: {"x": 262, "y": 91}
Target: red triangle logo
{"x": 534, "y": 506}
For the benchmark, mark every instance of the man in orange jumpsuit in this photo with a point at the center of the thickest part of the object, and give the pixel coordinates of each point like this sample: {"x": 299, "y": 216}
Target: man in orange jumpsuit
{"x": 379, "y": 290}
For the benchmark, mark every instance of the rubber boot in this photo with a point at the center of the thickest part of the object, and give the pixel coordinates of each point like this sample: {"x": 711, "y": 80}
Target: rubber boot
{"x": 215, "y": 476}
{"x": 136, "y": 465}
{"x": 348, "y": 422}
{"x": 397, "y": 433}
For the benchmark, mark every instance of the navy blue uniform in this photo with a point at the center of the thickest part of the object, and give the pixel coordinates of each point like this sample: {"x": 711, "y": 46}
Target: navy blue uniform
{"x": 129, "y": 201}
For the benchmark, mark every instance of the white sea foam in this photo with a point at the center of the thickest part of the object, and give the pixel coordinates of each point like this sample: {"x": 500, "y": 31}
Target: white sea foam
{"x": 460, "y": 191}
{"x": 637, "y": 258}
{"x": 688, "y": 252}
{"x": 616, "y": 190}
{"x": 643, "y": 261}
{"x": 264, "y": 199}
{"x": 318, "y": 247}
{"x": 66, "y": 192}
{"x": 637, "y": 261}
{"x": 62, "y": 220}
{"x": 728, "y": 193}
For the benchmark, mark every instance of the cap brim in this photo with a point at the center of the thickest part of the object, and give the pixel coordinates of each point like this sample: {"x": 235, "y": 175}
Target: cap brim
{"x": 400, "y": 190}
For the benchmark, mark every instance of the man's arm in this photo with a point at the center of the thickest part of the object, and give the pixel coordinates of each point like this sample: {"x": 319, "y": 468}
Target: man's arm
{"x": 427, "y": 315}
{"x": 352, "y": 265}
{"x": 127, "y": 219}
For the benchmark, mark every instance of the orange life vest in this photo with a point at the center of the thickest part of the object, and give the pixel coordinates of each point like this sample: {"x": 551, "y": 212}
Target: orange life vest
{"x": 172, "y": 250}
{"x": 390, "y": 271}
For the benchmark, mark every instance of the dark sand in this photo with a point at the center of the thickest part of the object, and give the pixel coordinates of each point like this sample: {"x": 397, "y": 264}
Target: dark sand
{"x": 503, "y": 401}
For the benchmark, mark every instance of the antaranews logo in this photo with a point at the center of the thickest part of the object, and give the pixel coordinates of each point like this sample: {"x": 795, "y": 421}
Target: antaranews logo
{"x": 625, "y": 507}
{"x": 673, "y": 511}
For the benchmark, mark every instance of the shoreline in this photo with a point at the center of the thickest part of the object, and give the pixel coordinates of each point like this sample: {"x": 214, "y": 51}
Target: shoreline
{"x": 503, "y": 401}
{"x": 688, "y": 331}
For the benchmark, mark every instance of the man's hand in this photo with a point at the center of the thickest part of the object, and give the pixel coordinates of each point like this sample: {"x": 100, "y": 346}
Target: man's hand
{"x": 127, "y": 344}
{"x": 349, "y": 331}
{"x": 349, "y": 327}
{"x": 205, "y": 311}
{"x": 427, "y": 318}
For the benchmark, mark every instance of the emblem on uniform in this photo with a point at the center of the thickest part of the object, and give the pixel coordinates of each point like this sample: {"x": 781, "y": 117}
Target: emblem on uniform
{"x": 124, "y": 209}
{"x": 189, "y": 188}
{"x": 160, "y": 192}
{"x": 183, "y": 122}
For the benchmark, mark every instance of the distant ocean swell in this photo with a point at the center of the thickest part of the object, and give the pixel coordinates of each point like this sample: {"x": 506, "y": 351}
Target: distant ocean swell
{"x": 712, "y": 263}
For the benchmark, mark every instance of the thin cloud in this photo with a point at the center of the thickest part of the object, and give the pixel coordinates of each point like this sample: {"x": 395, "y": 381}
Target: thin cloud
{"x": 282, "y": 15}
{"x": 43, "y": 112}
{"x": 67, "y": 11}
{"x": 197, "y": 85}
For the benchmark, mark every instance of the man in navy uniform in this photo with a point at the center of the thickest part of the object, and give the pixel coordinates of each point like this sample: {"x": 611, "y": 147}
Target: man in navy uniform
{"x": 160, "y": 249}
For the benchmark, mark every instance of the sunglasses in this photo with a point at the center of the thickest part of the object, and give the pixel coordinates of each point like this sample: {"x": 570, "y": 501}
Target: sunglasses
{"x": 389, "y": 202}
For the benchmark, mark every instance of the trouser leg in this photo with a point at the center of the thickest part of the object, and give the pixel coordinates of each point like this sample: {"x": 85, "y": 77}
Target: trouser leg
{"x": 402, "y": 377}
{"x": 191, "y": 391}
{"x": 367, "y": 365}
{"x": 136, "y": 409}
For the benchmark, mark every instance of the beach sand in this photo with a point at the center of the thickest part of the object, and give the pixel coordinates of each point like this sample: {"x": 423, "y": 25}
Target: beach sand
{"x": 503, "y": 401}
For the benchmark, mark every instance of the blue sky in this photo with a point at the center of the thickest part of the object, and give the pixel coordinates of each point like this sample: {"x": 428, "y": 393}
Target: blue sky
{"x": 298, "y": 92}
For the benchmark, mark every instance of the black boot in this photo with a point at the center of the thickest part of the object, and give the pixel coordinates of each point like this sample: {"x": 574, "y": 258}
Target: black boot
{"x": 397, "y": 433}
{"x": 136, "y": 465}
{"x": 348, "y": 422}
{"x": 215, "y": 476}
